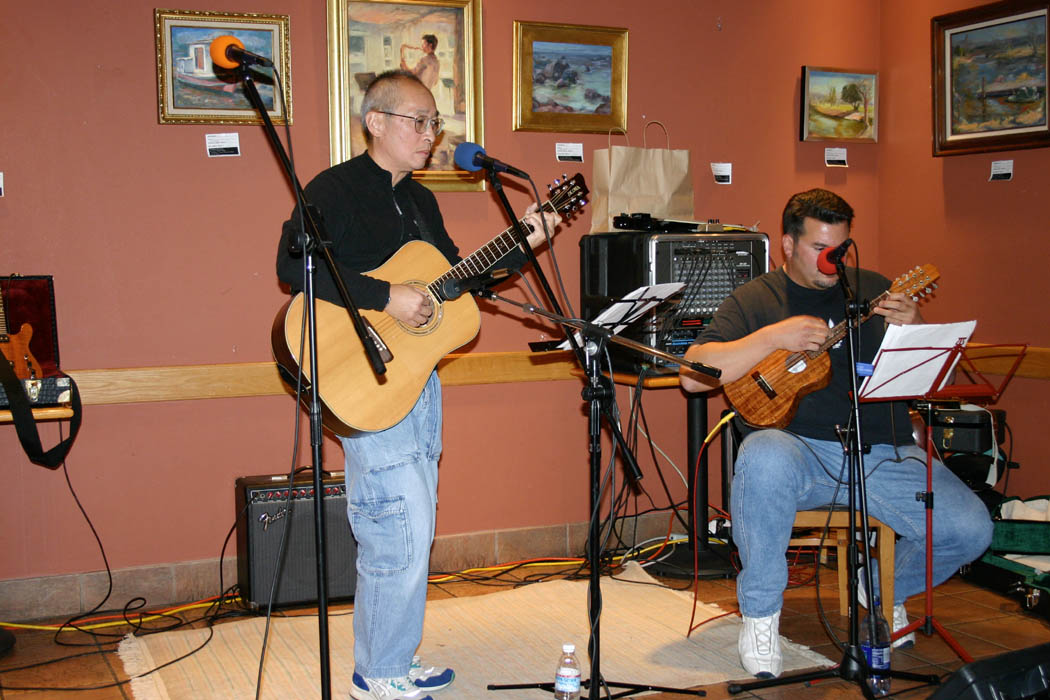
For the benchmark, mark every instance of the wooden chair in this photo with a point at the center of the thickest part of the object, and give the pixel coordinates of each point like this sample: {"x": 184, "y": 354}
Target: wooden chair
{"x": 838, "y": 537}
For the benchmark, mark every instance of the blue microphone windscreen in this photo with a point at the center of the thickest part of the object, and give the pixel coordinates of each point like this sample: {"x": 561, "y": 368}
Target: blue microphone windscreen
{"x": 464, "y": 155}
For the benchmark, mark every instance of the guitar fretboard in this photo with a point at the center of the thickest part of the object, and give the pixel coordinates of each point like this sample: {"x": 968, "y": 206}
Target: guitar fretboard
{"x": 482, "y": 260}
{"x": 918, "y": 281}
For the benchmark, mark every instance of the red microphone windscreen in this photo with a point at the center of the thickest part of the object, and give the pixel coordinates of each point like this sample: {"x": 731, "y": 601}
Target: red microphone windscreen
{"x": 825, "y": 265}
{"x": 218, "y": 50}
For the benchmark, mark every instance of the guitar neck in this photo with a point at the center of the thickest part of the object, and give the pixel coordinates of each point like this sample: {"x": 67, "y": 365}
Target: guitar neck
{"x": 3, "y": 321}
{"x": 482, "y": 260}
{"x": 839, "y": 331}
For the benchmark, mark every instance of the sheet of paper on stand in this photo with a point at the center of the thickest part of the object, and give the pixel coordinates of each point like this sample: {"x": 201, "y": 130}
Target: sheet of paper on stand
{"x": 632, "y": 306}
{"x": 911, "y": 357}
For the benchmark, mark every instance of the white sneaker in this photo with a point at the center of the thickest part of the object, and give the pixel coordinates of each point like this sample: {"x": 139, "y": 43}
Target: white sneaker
{"x": 385, "y": 689}
{"x": 900, "y": 621}
{"x": 900, "y": 617}
{"x": 759, "y": 646}
{"x": 430, "y": 677}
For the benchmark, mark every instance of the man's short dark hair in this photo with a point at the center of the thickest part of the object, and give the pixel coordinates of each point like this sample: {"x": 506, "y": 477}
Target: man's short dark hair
{"x": 432, "y": 40}
{"x": 384, "y": 93}
{"x": 818, "y": 204}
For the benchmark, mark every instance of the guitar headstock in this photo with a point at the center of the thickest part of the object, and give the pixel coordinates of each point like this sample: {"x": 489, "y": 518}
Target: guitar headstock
{"x": 917, "y": 282}
{"x": 567, "y": 195}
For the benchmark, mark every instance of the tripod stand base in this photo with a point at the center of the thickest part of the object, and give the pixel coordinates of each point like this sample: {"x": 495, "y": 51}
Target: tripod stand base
{"x": 628, "y": 688}
{"x": 850, "y": 669}
{"x": 713, "y": 561}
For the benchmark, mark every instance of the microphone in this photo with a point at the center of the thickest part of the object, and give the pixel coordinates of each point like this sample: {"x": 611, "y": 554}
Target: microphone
{"x": 229, "y": 52}
{"x": 829, "y": 258}
{"x": 470, "y": 156}
{"x": 453, "y": 288}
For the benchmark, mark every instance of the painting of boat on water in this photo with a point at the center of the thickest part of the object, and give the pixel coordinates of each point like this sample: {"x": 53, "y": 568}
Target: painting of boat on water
{"x": 569, "y": 77}
{"x": 200, "y": 84}
{"x": 839, "y": 105}
{"x": 192, "y": 90}
{"x": 998, "y": 76}
{"x": 989, "y": 78}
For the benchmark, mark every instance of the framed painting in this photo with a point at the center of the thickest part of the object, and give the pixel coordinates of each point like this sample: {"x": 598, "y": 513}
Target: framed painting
{"x": 989, "y": 78}
{"x": 839, "y": 105}
{"x": 439, "y": 41}
{"x": 569, "y": 78}
{"x": 191, "y": 90}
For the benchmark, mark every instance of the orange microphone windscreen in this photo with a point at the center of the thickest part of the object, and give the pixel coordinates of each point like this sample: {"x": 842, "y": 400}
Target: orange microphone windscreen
{"x": 218, "y": 50}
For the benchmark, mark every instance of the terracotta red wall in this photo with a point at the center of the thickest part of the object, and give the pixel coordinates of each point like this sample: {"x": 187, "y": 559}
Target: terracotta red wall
{"x": 165, "y": 257}
{"x": 989, "y": 239}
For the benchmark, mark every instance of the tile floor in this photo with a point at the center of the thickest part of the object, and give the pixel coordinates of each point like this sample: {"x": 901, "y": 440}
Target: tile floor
{"x": 985, "y": 623}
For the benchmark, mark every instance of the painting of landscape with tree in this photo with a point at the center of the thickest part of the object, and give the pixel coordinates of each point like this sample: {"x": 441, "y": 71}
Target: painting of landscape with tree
{"x": 839, "y": 105}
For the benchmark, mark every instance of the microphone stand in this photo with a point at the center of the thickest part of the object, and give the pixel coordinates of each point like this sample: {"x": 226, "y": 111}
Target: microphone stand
{"x": 497, "y": 186}
{"x": 853, "y": 666}
{"x": 314, "y": 240}
{"x": 599, "y": 393}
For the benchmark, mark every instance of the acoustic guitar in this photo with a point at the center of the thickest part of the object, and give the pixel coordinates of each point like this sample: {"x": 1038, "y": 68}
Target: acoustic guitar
{"x": 15, "y": 347}
{"x": 768, "y": 394}
{"x": 353, "y": 397}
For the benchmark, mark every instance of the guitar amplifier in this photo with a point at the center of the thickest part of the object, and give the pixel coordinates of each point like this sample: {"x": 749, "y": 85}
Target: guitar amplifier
{"x": 710, "y": 265}
{"x": 266, "y": 509}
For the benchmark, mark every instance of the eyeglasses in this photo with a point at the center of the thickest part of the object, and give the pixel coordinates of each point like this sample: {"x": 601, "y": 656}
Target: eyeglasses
{"x": 422, "y": 123}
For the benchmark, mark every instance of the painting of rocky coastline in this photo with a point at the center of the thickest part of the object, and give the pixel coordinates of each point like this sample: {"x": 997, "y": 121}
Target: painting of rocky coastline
{"x": 571, "y": 78}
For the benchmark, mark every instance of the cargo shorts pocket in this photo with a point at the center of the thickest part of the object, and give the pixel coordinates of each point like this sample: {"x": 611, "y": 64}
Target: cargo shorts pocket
{"x": 381, "y": 529}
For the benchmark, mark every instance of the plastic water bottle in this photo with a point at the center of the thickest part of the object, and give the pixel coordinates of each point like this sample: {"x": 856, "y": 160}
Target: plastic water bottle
{"x": 567, "y": 679}
{"x": 877, "y": 651}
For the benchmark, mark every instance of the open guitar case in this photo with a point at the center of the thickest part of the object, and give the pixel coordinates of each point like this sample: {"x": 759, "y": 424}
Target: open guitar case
{"x": 31, "y": 300}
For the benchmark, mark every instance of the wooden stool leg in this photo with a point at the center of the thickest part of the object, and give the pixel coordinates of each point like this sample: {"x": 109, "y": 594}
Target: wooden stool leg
{"x": 886, "y": 551}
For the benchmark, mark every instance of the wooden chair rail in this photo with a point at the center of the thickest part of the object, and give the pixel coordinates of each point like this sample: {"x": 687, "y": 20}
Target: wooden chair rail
{"x": 189, "y": 382}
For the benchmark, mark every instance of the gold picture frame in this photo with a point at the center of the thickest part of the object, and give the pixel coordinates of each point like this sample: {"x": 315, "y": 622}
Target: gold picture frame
{"x": 190, "y": 90}
{"x": 562, "y": 73}
{"x": 839, "y": 104}
{"x": 362, "y": 36}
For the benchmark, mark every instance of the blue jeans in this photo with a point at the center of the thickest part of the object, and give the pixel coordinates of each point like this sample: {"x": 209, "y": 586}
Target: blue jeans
{"x": 391, "y": 489}
{"x": 779, "y": 473}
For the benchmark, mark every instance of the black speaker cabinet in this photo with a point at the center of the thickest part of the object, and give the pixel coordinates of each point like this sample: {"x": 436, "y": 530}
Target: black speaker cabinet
{"x": 265, "y": 508}
{"x": 1015, "y": 675}
{"x": 708, "y": 265}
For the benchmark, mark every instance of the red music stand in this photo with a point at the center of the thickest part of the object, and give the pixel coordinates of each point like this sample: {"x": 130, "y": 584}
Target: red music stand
{"x": 982, "y": 390}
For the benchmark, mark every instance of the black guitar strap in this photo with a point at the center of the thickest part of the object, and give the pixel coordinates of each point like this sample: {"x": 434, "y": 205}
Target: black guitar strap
{"x": 417, "y": 217}
{"x": 25, "y": 424}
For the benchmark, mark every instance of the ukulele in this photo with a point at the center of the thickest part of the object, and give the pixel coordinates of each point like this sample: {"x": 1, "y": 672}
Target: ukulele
{"x": 767, "y": 395}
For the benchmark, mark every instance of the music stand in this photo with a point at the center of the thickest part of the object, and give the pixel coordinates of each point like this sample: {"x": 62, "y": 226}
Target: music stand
{"x": 940, "y": 360}
{"x": 684, "y": 562}
{"x": 599, "y": 393}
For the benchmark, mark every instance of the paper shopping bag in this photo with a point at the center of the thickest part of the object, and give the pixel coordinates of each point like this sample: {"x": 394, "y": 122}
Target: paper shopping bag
{"x": 628, "y": 180}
